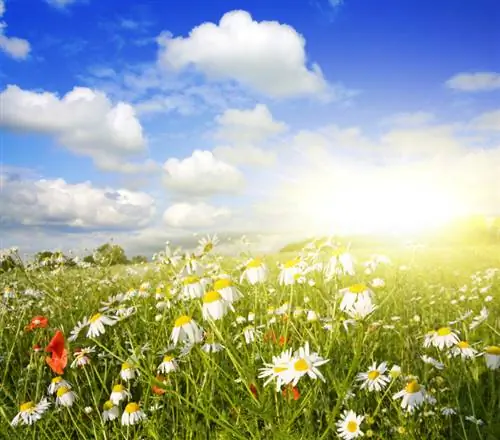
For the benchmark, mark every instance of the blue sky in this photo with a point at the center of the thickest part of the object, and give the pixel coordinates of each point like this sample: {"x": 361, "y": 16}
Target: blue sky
{"x": 265, "y": 116}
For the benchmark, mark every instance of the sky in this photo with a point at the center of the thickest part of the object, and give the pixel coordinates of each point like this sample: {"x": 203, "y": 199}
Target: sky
{"x": 145, "y": 121}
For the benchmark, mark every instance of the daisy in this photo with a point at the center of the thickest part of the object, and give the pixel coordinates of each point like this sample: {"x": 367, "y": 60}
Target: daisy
{"x": 357, "y": 293}
{"x": 348, "y": 427}
{"x": 192, "y": 267}
{"x": 290, "y": 272}
{"x": 186, "y": 330}
{"x": 431, "y": 361}
{"x": 77, "y": 329}
{"x": 479, "y": 319}
{"x": 361, "y": 309}
{"x": 444, "y": 338}
{"x": 229, "y": 292}
{"x": 255, "y": 272}
{"x": 413, "y": 396}
{"x": 304, "y": 363}
{"x": 132, "y": 414}
{"x": 110, "y": 411}
{"x": 464, "y": 350}
{"x": 30, "y": 412}
{"x": 128, "y": 371}
{"x": 56, "y": 383}
{"x": 212, "y": 347}
{"x": 341, "y": 262}
{"x": 119, "y": 393}
{"x": 192, "y": 287}
{"x": 80, "y": 357}
{"x": 214, "y": 306}
{"x": 276, "y": 369}
{"x": 375, "y": 378}
{"x": 206, "y": 244}
{"x": 65, "y": 397}
{"x": 168, "y": 365}
{"x": 492, "y": 357}
{"x": 97, "y": 323}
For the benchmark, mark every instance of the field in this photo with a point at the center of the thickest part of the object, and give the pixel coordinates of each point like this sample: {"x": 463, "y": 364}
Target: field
{"x": 142, "y": 354}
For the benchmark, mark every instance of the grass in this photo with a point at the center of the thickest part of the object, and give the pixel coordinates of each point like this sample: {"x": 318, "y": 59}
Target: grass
{"x": 219, "y": 395}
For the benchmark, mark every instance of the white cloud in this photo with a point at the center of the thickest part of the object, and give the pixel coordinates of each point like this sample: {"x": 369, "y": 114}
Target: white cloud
{"x": 410, "y": 119}
{"x": 475, "y": 82}
{"x": 197, "y": 215}
{"x": 201, "y": 174}
{"x": 15, "y": 47}
{"x": 61, "y": 4}
{"x": 84, "y": 121}
{"x": 245, "y": 155}
{"x": 46, "y": 202}
{"x": 487, "y": 121}
{"x": 266, "y": 56}
{"x": 248, "y": 126}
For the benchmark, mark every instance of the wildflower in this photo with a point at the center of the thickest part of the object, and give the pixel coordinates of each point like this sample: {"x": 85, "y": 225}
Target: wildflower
{"x": 304, "y": 363}
{"x": 413, "y": 396}
{"x": 290, "y": 272}
{"x": 277, "y": 369}
{"x": 214, "y": 306}
{"x": 444, "y": 338}
{"x": 65, "y": 397}
{"x": 474, "y": 420}
{"x": 97, "y": 323}
{"x": 348, "y": 427}
{"x": 192, "y": 287}
{"x": 186, "y": 330}
{"x": 431, "y": 361}
{"x": 357, "y": 293}
{"x": 206, "y": 244}
{"x": 132, "y": 414}
{"x": 464, "y": 350}
{"x": 119, "y": 393}
{"x": 158, "y": 390}
{"x": 128, "y": 371}
{"x": 212, "y": 347}
{"x": 294, "y": 390}
{"x": 30, "y": 412}
{"x": 341, "y": 262}
{"x": 73, "y": 335}
{"x": 228, "y": 292}
{"x": 255, "y": 271}
{"x": 56, "y": 383}
{"x": 448, "y": 411}
{"x": 492, "y": 357}
{"x": 360, "y": 310}
{"x": 378, "y": 282}
{"x": 110, "y": 411}
{"x": 374, "y": 379}
{"x": 168, "y": 365}
{"x": 479, "y": 319}
{"x": 37, "y": 322}
{"x": 59, "y": 359}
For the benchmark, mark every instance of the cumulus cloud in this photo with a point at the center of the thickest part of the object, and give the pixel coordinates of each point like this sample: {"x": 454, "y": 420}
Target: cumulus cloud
{"x": 487, "y": 121}
{"x": 474, "y": 82}
{"x": 47, "y": 202}
{"x": 201, "y": 174}
{"x": 413, "y": 119}
{"x": 195, "y": 215}
{"x": 17, "y": 48}
{"x": 267, "y": 56}
{"x": 245, "y": 155}
{"x": 84, "y": 121}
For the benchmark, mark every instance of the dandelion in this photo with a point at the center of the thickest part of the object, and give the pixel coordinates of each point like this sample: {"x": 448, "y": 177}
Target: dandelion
{"x": 492, "y": 357}
{"x": 255, "y": 271}
{"x": 110, "y": 411}
{"x": 375, "y": 378}
{"x": 97, "y": 323}
{"x": 132, "y": 414}
{"x": 30, "y": 412}
{"x": 413, "y": 396}
{"x": 214, "y": 306}
{"x": 65, "y": 397}
{"x": 186, "y": 330}
{"x": 349, "y": 426}
{"x": 168, "y": 365}
{"x": 119, "y": 393}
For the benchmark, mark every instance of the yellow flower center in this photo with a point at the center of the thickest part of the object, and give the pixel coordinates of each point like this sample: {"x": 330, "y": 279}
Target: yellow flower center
{"x": 494, "y": 350}
{"x": 127, "y": 366}
{"x": 167, "y": 358}
{"x": 222, "y": 283}
{"x": 357, "y": 288}
{"x": 191, "y": 280}
{"x": 211, "y": 297}
{"x": 183, "y": 320}
{"x": 256, "y": 262}
{"x": 95, "y": 317}
{"x": 372, "y": 375}
{"x": 27, "y": 407}
{"x": 132, "y": 408}
{"x": 301, "y": 365}
{"x": 279, "y": 369}
{"x": 352, "y": 426}
{"x": 292, "y": 263}
{"x": 208, "y": 247}
{"x": 57, "y": 379}
{"x": 62, "y": 391}
{"x": 463, "y": 344}
{"x": 118, "y": 388}
{"x": 444, "y": 331}
{"x": 412, "y": 387}
{"x": 108, "y": 405}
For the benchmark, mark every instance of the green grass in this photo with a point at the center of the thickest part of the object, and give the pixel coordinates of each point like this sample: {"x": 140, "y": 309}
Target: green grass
{"x": 210, "y": 396}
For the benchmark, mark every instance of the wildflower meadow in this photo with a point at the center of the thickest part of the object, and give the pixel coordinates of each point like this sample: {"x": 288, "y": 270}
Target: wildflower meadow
{"x": 326, "y": 342}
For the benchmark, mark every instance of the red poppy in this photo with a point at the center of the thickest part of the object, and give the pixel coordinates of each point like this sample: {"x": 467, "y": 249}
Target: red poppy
{"x": 37, "y": 322}
{"x": 295, "y": 392}
{"x": 270, "y": 335}
{"x": 283, "y": 340}
{"x": 59, "y": 358}
{"x": 157, "y": 389}
{"x": 253, "y": 390}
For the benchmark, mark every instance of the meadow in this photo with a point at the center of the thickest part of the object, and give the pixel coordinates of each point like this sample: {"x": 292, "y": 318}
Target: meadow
{"x": 322, "y": 343}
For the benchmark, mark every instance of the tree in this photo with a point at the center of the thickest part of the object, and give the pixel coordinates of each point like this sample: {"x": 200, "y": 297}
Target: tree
{"x": 138, "y": 259}
{"x": 110, "y": 254}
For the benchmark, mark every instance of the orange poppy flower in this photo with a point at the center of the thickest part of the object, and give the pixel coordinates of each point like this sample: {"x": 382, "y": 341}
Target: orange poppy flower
{"x": 59, "y": 358}
{"x": 37, "y": 322}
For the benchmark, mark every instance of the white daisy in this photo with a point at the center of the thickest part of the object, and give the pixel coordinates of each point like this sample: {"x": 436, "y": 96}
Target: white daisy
{"x": 97, "y": 323}
{"x": 341, "y": 262}
{"x": 276, "y": 369}
{"x": 214, "y": 306}
{"x": 132, "y": 414}
{"x": 128, "y": 371}
{"x": 56, "y": 383}
{"x": 30, "y": 412}
{"x": 375, "y": 378}
{"x": 348, "y": 427}
{"x": 168, "y": 365}
{"x": 119, "y": 393}
{"x": 444, "y": 338}
{"x": 431, "y": 361}
{"x": 413, "y": 396}
{"x": 110, "y": 411}
{"x": 464, "y": 350}
{"x": 357, "y": 293}
{"x": 192, "y": 287}
{"x": 228, "y": 291}
{"x": 186, "y": 330}
{"x": 65, "y": 397}
{"x": 255, "y": 272}
{"x": 290, "y": 272}
{"x": 304, "y": 363}
{"x": 492, "y": 357}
